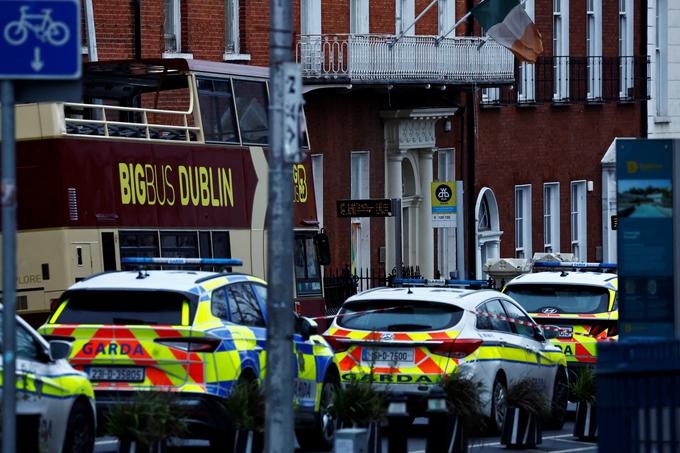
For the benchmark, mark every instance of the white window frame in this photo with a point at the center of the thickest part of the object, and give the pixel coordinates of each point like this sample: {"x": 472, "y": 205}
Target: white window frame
{"x": 232, "y": 32}
{"x": 360, "y": 190}
{"x": 405, "y": 15}
{"x": 594, "y": 49}
{"x": 317, "y": 177}
{"x": 551, "y": 217}
{"x": 447, "y": 16}
{"x": 626, "y": 52}
{"x": 359, "y": 13}
{"x": 174, "y": 7}
{"x": 661, "y": 60}
{"x": 310, "y": 17}
{"x": 526, "y": 86}
{"x": 523, "y": 221}
{"x": 561, "y": 50}
{"x": 446, "y": 237}
{"x": 578, "y": 220}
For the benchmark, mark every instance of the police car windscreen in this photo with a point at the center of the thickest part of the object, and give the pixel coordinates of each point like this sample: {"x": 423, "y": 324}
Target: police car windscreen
{"x": 123, "y": 307}
{"x": 398, "y": 316}
{"x": 560, "y": 299}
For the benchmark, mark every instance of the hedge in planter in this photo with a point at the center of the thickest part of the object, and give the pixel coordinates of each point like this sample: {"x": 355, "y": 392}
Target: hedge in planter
{"x": 525, "y": 407}
{"x": 464, "y": 406}
{"x": 147, "y": 420}
{"x": 245, "y": 408}
{"x": 357, "y": 404}
{"x": 584, "y": 391}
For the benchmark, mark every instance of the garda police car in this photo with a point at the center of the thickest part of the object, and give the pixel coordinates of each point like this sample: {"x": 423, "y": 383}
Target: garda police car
{"x": 193, "y": 333}
{"x": 407, "y": 339}
{"x": 582, "y": 303}
{"x": 55, "y": 403}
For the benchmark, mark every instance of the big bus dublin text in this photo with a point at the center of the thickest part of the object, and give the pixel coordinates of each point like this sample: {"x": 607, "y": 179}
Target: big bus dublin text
{"x": 163, "y": 158}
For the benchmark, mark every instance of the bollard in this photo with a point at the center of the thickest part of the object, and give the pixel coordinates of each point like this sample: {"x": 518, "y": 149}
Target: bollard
{"x": 351, "y": 440}
{"x": 444, "y": 432}
{"x": 398, "y": 422}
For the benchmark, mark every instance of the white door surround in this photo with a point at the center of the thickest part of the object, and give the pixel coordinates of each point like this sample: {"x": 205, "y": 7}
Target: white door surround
{"x": 411, "y": 134}
{"x": 487, "y": 230}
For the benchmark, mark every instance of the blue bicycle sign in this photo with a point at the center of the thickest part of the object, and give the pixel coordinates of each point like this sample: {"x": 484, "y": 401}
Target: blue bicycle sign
{"x": 42, "y": 25}
{"x": 40, "y": 39}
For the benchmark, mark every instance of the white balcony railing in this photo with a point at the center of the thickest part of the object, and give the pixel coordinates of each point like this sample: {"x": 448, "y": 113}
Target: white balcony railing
{"x": 412, "y": 58}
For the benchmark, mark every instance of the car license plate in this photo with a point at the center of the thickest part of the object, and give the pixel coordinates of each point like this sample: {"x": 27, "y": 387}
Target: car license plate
{"x": 565, "y": 332}
{"x": 388, "y": 356}
{"x": 125, "y": 374}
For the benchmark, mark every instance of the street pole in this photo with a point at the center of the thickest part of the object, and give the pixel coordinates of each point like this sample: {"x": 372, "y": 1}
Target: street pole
{"x": 9, "y": 400}
{"x": 398, "y": 240}
{"x": 284, "y": 109}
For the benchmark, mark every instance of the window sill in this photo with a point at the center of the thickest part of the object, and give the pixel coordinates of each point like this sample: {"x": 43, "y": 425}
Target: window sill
{"x": 491, "y": 105}
{"x": 526, "y": 103}
{"x": 228, "y": 56}
{"x": 662, "y": 119}
{"x": 188, "y": 56}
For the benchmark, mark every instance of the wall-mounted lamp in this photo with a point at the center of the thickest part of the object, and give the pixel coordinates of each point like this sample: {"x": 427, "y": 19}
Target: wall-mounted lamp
{"x": 448, "y": 126}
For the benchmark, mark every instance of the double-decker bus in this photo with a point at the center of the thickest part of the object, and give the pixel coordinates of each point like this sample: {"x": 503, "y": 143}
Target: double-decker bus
{"x": 162, "y": 158}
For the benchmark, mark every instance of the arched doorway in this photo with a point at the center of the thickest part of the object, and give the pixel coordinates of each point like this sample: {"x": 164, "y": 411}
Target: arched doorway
{"x": 410, "y": 201}
{"x": 487, "y": 230}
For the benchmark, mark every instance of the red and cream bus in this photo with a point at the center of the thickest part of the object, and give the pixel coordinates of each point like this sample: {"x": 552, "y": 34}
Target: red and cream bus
{"x": 163, "y": 158}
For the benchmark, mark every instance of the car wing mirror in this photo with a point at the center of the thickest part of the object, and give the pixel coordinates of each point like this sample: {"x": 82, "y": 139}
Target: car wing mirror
{"x": 550, "y": 332}
{"x": 307, "y": 327}
{"x": 60, "y": 349}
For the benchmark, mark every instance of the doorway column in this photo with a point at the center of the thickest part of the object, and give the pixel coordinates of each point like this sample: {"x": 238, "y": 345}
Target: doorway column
{"x": 425, "y": 232}
{"x": 394, "y": 190}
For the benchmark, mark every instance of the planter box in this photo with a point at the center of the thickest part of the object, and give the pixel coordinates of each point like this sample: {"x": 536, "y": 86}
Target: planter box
{"x": 348, "y": 439}
{"x": 520, "y": 429}
{"x": 585, "y": 425}
{"x": 445, "y": 434}
{"x": 248, "y": 442}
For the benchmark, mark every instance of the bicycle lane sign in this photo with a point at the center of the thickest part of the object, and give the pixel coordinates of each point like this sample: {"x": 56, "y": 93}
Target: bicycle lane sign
{"x": 40, "y": 39}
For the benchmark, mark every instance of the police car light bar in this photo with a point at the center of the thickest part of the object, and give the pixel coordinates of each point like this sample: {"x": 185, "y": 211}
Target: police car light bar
{"x": 576, "y": 264}
{"x": 439, "y": 282}
{"x": 184, "y": 261}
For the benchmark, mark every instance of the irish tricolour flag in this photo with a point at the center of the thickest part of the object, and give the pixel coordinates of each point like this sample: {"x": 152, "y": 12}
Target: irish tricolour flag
{"x": 507, "y": 23}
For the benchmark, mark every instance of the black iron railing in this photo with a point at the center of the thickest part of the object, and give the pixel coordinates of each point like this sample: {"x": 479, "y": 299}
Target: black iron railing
{"x": 564, "y": 80}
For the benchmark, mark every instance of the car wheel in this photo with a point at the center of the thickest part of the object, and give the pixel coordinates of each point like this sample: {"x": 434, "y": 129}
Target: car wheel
{"x": 558, "y": 405}
{"x": 322, "y": 434}
{"x": 80, "y": 429}
{"x": 497, "y": 416}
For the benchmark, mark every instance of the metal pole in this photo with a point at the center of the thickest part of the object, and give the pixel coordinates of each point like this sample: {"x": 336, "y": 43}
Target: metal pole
{"x": 9, "y": 400}
{"x": 403, "y": 32}
{"x": 460, "y": 231}
{"x": 91, "y": 35}
{"x": 675, "y": 181}
{"x": 396, "y": 209}
{"x": 280, "y": 373}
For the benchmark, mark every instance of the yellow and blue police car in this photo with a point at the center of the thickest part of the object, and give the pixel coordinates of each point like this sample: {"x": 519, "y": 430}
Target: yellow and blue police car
{"x": 194, "y": 333}
{"x": 578, "y": 297}
{"x": 407, "y": 339}
{"x": 55, "y": 403}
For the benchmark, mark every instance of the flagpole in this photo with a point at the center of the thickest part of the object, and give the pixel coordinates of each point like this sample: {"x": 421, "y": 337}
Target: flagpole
{"x": 460, "y": 21}
{"x": 401, "y": 35}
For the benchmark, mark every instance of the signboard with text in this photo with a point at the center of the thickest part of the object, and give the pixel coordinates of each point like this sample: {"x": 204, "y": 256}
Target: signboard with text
{"x": 645, "y": 237}
{"x": 443, "y": 204}
{"x": 374, "y": 207}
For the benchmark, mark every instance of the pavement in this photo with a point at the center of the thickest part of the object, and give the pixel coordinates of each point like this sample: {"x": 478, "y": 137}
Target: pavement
{"x": 561, "y": 441}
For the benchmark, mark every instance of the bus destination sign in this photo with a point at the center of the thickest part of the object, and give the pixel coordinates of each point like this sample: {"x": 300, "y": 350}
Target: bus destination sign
{"x": 374, "y": 207}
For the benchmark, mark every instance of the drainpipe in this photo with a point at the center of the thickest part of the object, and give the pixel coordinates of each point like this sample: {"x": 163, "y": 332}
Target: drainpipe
{"x": 138, "y": 29}
{"x": 91, "y": 35}
{"x": 469, "y": 167}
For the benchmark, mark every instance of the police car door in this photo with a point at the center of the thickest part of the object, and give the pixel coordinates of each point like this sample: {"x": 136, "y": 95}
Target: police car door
{"x": 245, "y": 310}
{"x": 38, "y": 391}
{"x": 538, "y": 363}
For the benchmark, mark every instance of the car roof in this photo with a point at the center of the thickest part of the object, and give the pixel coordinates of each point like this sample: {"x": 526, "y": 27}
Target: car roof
{"x": 170, "y": 280}
{"x": 464, "y": 298}
{"x": 567, "y": 278}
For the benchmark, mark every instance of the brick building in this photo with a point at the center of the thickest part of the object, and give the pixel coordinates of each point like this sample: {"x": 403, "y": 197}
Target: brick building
{"x": 391, "y": 108}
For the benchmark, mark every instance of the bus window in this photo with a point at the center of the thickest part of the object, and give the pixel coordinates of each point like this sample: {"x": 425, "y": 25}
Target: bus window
{"x": 251, "y": 106}
{"x": 217, "y": 111}
{"x": 221, "y": 247}
{"x": 307, "y": 270}
{"x": 179, "y": 244}
{"x": 204, "y": 244}
{"x": 138, "y": 243}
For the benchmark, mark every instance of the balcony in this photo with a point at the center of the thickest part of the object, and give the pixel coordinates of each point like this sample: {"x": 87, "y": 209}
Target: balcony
{"x": 567, "y": 80}
{"x": 377, "y": 59}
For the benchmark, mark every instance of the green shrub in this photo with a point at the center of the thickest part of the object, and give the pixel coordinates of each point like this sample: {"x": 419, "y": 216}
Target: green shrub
{"x": 357, "y": 402}
{"x": 583, "y": 388}
{"x": 245, "y": 406}
{"x": 146, "y": 418}
{"x": 528, "y": 395}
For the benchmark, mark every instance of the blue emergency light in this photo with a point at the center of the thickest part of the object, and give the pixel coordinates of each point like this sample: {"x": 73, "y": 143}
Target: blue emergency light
{"x": 184, "y": 261}
{"x": 439, "y": 282}
{"x": 577, "y": 265}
